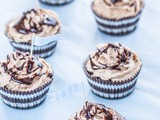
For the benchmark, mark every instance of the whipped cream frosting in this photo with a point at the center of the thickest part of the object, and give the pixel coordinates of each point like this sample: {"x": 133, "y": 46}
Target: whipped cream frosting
{"x": 24, "y": 72}
{"x": 117, "y": 9}
{"x": 113, "y": 62}
{"x": 38, "y": 22}
{"x": 92, "y": 111}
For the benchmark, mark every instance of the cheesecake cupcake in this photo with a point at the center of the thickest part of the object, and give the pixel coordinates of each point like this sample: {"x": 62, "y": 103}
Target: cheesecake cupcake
{"x": 117, "y": 17}
{"x": 24, "y": 80}
{"x": 39, "y": 24}
{"x": 112, "y": 70}
{"x": 94, "y": 111}
{"x": 56, "y": 2}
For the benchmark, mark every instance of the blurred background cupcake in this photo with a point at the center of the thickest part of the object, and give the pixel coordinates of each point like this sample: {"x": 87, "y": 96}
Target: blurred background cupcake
{"x": 117, "y": 17}
{"x": 112, "y": 70}
{"x": 94, "y": 111}
{"x": 42, "y": 25}
{"x": 56, "y": 2}
{"x": 24, "y": 80}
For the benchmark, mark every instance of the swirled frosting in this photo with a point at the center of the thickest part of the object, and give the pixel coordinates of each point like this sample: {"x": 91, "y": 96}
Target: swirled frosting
{"x": 113, "y": 62}
{"x": 117, "y": 9}
{"x": 24, "y": 72}
{"x": 92, "y": 111}
{"x": 39, "y": 22}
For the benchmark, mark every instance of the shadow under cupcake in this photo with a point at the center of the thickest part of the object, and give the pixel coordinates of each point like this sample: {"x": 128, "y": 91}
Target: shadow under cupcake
{"x": 112, "y": 71}
{"x": 24, "y": 80}
{"x": 117, "y": 17}
{"x": 39, "y": 24}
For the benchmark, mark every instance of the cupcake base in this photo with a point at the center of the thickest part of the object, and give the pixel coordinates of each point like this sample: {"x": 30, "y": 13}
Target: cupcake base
{"x": 109, "y": 89}
{"x": 21, "y": 106}
{"x": 119, "y": 27}
{"x": 40, "y": 51}
{"x": 122, "y": 32}
{"x": 113, "y": 91}
{"x": 25, "y": 100}
{"x": 56, "y": 2}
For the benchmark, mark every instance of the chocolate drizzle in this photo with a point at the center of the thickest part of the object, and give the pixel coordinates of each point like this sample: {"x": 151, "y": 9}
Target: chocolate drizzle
{"x": 92, "y": 111}
{"x": 26, "y": 72}
{"x": 29, "y": 18}
{"x": 121, "y": 57}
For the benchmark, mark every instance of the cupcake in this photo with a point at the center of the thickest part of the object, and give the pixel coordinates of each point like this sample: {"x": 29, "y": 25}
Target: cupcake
{"x": 112, "y": 70}
{"x": 56, "y": 2}
{"x": 93, "y": 111}
{"x": 117, "y": 17}
{"x": 41, "y": 24}
{"x": 24, "y": 80}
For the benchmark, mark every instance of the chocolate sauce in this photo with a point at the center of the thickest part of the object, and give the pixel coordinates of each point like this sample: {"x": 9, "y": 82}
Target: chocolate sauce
{"x": 22, "y": 81}
{"x": 86, "y": 112}
{"x": 122, "y": 58}
{"x": 49, "y": 21}
{"x": 50, "y": 75}
{"x": 20, "y": 27}
{"x": 29, "y": 68}
{"x": 4, "y": 65}
{"x": 21, "y": 67}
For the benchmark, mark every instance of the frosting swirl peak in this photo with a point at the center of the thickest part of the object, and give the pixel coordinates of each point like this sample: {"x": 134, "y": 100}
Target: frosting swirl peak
{"x": 33, "y": 22}
{"x": 24, "y": 70}
{"x": 117, "y": 9}
{"x": 92, "y": 111}
{"x": 113, "y": 62}
{"x": 40, "y": 22}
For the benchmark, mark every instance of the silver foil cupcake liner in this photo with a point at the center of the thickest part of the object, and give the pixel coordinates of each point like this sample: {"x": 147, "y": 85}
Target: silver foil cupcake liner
{"x": 25, "y": 99}
{"x": 110, "y": 89}
{"x": 119, "y": 27}
{"x": 56, "y": 2}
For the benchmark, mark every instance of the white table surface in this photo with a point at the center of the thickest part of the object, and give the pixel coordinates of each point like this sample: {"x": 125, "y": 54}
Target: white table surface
{"x": 80, "y": 36}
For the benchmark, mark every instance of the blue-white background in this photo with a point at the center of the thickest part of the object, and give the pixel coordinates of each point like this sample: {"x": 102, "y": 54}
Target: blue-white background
{"x": 79, "y": 37}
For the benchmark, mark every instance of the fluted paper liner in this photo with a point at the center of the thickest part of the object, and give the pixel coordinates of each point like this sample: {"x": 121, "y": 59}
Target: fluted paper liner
{"x": 111, "y": 89}
{"x": 43, "y": 46}
{"x": 118, "y": 27}
{"x": 25, "y": 99}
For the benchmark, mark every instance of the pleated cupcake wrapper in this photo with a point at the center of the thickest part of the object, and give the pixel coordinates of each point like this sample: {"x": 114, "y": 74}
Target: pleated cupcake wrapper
{"x": 43, "y": 46}
{"x": 26, "y": 99}
{"x": 119, "y": 27}
{"x": 110, "y": 89}
{"x": 56, "y": 2}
